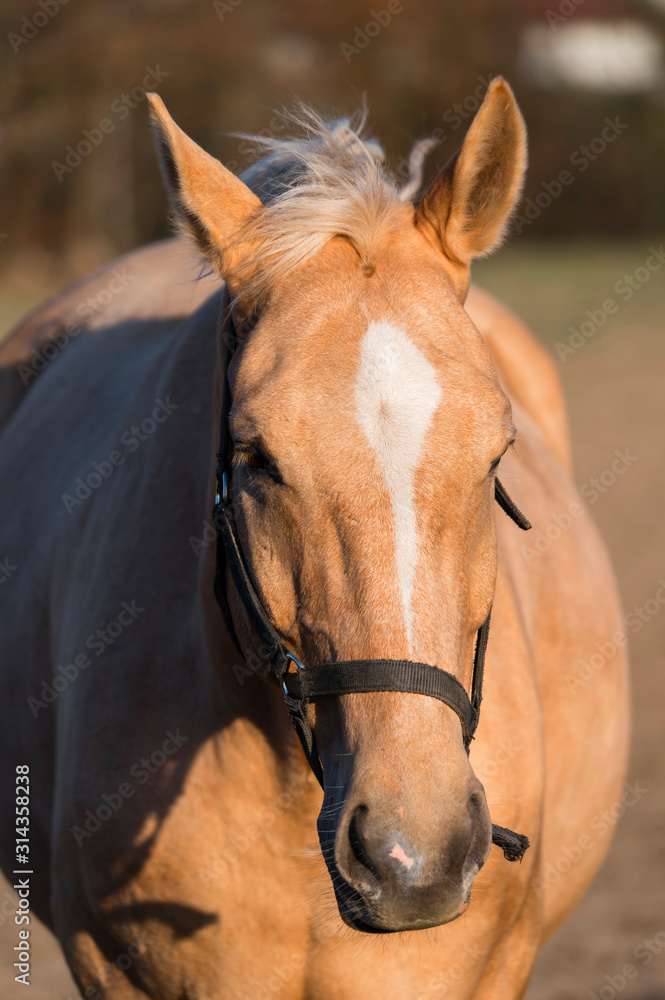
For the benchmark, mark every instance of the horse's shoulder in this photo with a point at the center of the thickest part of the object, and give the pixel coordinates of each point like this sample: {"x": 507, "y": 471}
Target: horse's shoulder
{"x": 525, "y": 368}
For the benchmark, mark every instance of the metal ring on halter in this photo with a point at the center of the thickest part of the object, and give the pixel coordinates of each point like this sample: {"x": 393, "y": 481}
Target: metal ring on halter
{"x": 293, "y": 659}
{"x": 225, "y": 487}
{"x": 222, "y": 492}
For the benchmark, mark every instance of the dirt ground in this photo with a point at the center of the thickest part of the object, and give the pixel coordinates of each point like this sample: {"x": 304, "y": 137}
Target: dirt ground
{"x": 615, "y": 387}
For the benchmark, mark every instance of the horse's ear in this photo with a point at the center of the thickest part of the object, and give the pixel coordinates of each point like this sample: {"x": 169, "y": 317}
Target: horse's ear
{"x": 210, "y": 204}
{"x": 468, "y": 206}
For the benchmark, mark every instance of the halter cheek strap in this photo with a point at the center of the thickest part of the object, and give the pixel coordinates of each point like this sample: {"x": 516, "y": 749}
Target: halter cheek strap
{"x": 347, "y": 676}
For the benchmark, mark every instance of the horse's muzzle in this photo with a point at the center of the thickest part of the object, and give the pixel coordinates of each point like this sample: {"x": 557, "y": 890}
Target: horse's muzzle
{"x": 393, "y": 871}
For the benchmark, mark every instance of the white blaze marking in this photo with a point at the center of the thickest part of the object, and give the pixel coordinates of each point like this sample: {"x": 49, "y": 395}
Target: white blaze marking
{"x": 397, "y": 394}
{"x": 400, "y": 854}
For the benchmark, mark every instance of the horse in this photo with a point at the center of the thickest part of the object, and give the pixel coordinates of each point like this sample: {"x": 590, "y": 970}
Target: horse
{"x": 180, "y": 846}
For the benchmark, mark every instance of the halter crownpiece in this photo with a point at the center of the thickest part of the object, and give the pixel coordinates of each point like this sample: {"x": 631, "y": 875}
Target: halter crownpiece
{"x": 344, "y": 676}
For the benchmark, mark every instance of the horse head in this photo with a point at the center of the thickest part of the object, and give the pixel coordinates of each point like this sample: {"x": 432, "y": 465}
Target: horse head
{"x": 367, "y": 425}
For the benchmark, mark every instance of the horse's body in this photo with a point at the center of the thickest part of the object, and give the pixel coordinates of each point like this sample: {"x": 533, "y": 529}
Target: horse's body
{"x": 173, "y": 835}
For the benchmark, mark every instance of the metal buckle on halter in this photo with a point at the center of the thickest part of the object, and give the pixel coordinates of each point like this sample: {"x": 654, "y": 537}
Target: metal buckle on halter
{"x": 299, "y": 666}
{"x": 222, "y": 494}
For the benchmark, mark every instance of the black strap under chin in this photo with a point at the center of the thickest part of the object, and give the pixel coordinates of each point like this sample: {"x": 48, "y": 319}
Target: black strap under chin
{"x": 341, "y": 677}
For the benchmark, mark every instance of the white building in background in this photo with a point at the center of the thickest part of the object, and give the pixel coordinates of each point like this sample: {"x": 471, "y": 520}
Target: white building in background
{"x": 592, "y": 46}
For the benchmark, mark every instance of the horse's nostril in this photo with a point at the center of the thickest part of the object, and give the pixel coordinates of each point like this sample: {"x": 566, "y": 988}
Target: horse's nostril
{"x": 480, "y": 838}
{"x": 476, "y": 805}
{"x": 357, "y": 845}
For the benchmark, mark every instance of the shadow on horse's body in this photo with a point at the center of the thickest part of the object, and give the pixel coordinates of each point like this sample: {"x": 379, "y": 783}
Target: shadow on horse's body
{"x": 173, "y": 816}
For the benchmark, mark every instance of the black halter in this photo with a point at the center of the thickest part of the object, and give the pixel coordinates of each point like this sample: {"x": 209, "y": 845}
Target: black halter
{"x": 341, "y": 677}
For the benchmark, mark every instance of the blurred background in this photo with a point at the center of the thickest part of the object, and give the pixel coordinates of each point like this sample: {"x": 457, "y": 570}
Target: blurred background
{"x": 79, "y": 184}
{"x": 224, "y": 64}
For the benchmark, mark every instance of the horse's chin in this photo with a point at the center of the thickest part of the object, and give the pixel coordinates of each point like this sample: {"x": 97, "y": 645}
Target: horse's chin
{"x": 356, "y": 924}
{"x": 359, "y": 917}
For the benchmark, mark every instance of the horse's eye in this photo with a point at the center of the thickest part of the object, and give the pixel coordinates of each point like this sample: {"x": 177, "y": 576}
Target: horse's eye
{"x": 254, "y": 459}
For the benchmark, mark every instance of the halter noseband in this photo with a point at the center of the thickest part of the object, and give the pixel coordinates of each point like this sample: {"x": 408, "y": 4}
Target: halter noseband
{"x": 344, "y": 676}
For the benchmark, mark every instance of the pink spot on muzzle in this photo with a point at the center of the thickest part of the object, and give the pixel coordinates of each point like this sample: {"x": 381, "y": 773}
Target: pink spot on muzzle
{"x": 400, "y": 854}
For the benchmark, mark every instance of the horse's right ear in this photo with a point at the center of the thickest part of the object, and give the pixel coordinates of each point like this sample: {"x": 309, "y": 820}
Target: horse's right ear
{"x": 211, "y": 204}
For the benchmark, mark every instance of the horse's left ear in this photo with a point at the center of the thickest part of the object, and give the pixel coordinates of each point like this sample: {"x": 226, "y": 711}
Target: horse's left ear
{"x": 211, "y": 205}
{"x": 468, "y": 206}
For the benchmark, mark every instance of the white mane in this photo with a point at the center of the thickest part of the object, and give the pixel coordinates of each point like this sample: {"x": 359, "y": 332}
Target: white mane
{"x": 330, "y": 181}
